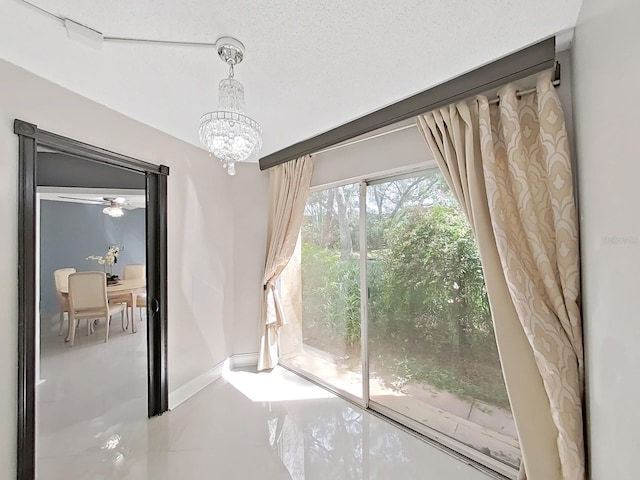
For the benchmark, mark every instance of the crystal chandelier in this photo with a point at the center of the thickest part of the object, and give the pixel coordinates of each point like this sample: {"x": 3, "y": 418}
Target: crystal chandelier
{"x": 227, "y": 132}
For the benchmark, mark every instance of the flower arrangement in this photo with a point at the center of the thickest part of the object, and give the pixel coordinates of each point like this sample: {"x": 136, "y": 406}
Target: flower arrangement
{"x": 109, "y": 259}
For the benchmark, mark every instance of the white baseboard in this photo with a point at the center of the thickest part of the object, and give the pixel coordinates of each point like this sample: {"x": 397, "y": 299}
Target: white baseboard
{"x": 243, "y": 360}
{"x": 189, "y": 389}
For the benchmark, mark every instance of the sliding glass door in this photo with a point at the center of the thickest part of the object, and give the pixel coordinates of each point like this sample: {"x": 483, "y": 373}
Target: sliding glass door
{"x": 433, "y": 361}
{"x": 392, "y": 311}
{"x": 323, "y": 335}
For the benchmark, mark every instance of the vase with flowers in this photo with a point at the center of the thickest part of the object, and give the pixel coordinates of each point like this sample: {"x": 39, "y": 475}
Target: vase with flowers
{"x": 109, "y": 259}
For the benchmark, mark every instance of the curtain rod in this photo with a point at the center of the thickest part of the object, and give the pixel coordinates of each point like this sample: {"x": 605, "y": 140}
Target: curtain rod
{"x": 520, "y": 93}
{"x": 493, "y": 101}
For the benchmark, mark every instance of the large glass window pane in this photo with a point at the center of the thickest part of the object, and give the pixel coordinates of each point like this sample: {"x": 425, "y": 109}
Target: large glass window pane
{"x": 432, "y": 351}
{"x": 323, "y": 334}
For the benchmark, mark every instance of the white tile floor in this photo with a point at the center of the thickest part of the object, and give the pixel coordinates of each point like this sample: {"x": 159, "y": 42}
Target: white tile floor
{"x": 270, "y": 426}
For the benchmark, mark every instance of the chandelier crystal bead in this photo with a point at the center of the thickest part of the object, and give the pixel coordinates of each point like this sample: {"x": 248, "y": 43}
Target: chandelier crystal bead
{"x": 227, "y": 132}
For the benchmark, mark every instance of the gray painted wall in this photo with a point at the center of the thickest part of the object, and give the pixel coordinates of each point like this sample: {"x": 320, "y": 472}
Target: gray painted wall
{"x": 70, "y": 232}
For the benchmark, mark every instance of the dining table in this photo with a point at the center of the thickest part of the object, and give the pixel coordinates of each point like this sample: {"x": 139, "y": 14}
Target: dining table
{"x": 133, "y": 288}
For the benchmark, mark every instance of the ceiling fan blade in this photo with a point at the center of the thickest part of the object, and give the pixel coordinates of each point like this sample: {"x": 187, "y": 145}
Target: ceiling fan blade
{"x": 83, "y": 199}
{"x": 116, "y": 201}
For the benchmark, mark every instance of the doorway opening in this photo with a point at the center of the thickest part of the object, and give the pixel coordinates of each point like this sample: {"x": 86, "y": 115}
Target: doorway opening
{"x": 56, "y": 163}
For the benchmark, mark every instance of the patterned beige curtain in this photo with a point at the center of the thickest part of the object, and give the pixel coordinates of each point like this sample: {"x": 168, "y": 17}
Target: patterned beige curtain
{"x": 462, "y": 137}
{"x": 288, "y": 191}
{"x": 529, "y": 184}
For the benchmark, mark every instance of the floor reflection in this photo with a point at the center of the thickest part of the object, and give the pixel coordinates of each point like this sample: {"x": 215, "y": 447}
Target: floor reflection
{"x": 324, "y": 437}
{"x": 271, "y": 425}
{"x": 92, "y": 404}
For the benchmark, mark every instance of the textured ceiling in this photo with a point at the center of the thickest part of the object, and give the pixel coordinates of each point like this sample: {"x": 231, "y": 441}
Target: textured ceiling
{"x": 309, "y": 66}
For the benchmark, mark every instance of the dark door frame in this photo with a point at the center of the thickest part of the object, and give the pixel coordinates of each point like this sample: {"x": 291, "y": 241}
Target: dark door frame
{"x": 29, "y": 138}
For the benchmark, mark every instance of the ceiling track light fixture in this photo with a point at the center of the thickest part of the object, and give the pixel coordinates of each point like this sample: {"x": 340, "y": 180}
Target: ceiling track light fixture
{"x": 227, "y": 133}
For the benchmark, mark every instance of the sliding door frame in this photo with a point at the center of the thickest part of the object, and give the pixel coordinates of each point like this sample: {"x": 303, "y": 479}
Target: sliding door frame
{"x": 443, "y": 442}
{"x": 350, "y": 397}
{"x": 30, "y": 137}
{"x": 157, "y": 310}
{"x": 364, "y": 294}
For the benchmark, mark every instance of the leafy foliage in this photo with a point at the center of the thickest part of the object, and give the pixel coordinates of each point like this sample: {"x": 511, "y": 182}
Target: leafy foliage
{"x": 429, "y": 317}
{"x": 331, "y": 294}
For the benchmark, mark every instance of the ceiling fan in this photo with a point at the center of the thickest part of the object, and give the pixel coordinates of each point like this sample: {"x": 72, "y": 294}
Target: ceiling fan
{"x": 114, "y": 205}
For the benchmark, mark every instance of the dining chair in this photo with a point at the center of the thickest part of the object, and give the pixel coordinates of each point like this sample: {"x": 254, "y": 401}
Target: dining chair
{"x": 130, "y": 272}
{"x": 88, "y": 300}
{"x": 61, "y": 280}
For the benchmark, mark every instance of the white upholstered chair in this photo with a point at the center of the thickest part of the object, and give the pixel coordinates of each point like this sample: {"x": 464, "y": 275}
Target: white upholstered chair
{"x": 61, "y": 280}
{"x": 132, "y": 272}
{"x": 88, "y": 300}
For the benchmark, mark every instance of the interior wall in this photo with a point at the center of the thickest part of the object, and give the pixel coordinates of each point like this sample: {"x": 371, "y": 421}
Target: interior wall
{"x": 606, "y": 100}
{"x": 200, "y": 230}
{"x": 70, "y": 232}
{"x": 387, "y": 153}
{"x": 250, "y": 188}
